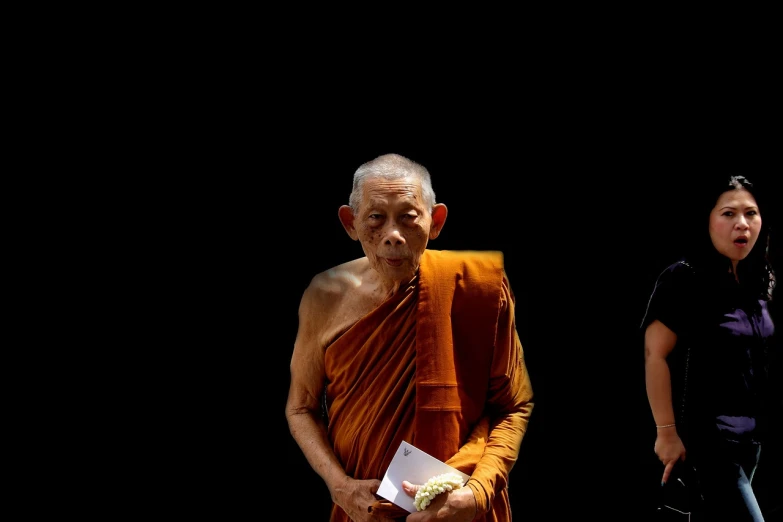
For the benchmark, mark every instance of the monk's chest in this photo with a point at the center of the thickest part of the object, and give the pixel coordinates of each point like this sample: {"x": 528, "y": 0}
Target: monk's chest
{"x": 349, "y": 311}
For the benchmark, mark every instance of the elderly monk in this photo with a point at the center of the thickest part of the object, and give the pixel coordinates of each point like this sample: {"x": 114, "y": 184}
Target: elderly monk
{"x": 408, "y": 344}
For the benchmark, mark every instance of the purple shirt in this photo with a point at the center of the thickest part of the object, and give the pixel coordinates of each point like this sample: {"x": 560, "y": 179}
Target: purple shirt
{"x": 728, "y": 332}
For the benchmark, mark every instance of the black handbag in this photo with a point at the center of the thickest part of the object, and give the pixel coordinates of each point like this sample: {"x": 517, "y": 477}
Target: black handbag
{"x": 680, "y": 497}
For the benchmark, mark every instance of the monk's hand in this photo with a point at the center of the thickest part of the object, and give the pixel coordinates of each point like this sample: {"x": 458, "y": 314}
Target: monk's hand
{"x": 458, "y": 505}
{"x": 356, "y": 497}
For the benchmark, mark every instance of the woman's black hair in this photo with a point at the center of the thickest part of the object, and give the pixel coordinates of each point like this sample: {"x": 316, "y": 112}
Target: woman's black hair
{"x": 755, "y": 272}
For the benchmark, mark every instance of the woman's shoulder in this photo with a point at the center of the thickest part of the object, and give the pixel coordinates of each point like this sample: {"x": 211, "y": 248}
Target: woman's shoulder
{"x": 673, "y": 295}
{"x": 681, "y": 278}
{"x": 680, "y": 269}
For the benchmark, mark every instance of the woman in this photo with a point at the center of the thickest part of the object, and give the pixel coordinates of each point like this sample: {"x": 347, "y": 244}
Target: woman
{"x": 707, "y": 332}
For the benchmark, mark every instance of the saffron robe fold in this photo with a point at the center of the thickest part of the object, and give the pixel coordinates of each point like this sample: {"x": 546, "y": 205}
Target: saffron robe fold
{"x": 440, "y": 365}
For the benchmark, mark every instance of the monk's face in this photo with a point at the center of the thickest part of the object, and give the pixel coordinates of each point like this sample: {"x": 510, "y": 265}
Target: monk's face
{"x": 394, "y": 225}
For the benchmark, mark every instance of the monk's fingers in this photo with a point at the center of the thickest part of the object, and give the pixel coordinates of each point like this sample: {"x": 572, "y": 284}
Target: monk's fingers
{"x": 409, "y": 488}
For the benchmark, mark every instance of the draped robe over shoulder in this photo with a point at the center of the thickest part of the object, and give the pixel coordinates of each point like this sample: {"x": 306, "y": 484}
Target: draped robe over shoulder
{"x": 439, "y": 365}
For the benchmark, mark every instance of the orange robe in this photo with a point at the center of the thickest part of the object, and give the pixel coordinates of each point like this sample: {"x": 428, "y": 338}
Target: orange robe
{"x": 439, "y": 365}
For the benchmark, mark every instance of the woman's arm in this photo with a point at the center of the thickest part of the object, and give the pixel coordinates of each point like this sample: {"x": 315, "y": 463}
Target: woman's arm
{"x": 659, "y": 341}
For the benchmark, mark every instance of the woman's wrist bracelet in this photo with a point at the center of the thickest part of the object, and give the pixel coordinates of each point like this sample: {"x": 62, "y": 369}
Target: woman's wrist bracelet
{"x": 434, "y": 487}
{"x": 665, "y": 426}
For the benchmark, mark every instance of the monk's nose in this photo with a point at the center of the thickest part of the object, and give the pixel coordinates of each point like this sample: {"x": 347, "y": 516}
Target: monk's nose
{"x": 393, "y": 237}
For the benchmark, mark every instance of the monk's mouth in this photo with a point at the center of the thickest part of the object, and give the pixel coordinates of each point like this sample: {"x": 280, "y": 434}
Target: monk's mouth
{"x": 393, "y": 262}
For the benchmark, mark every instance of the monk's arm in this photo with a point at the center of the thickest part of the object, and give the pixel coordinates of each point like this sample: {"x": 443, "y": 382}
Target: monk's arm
{"x": 303, "y": 408}
{"x": 510, "y": 404}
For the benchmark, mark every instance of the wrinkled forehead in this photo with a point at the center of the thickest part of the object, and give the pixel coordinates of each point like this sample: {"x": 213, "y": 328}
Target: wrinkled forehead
{"x": 402, "y": 190}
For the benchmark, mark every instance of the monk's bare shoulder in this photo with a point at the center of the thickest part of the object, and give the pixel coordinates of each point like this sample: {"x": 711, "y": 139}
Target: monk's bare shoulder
{"x": 337, "y": 298}
{"x": 330, "y": 287}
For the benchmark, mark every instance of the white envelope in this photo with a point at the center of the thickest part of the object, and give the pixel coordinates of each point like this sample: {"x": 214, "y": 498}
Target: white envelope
{"x": 415, "y": 466}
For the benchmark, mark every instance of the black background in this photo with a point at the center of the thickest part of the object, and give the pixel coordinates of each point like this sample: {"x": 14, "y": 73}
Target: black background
{"x": 206, "y": 175}
{"x": 587, "y": 212}
{"x": 585, "y": 229}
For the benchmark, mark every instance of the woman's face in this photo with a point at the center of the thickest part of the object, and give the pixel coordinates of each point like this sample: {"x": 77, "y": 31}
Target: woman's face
{"x": 735, "y": 223}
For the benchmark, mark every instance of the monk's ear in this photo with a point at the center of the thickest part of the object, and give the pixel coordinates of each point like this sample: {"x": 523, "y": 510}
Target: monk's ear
{"x": 347, "y": 219}
{"x": 439, "y": 213}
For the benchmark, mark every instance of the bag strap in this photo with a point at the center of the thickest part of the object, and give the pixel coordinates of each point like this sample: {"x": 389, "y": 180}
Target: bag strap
{"x": 691, "y": 475}
{"x": 683, "y": 409}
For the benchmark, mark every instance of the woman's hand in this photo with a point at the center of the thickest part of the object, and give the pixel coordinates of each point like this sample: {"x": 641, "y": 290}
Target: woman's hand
{"x": 670, "y": 450}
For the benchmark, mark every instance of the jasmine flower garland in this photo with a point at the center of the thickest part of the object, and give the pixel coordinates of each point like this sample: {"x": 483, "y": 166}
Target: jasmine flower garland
{"x": 434, "y": 487}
